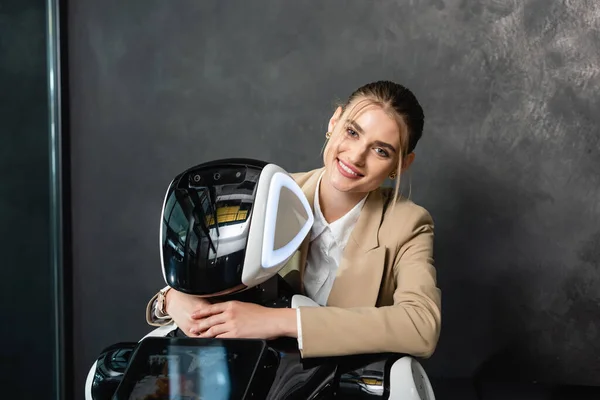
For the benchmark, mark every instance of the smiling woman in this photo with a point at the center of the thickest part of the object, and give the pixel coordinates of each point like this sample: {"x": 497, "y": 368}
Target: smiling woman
{"x": 370, "y": 139}
{"x": 369, "y": 257}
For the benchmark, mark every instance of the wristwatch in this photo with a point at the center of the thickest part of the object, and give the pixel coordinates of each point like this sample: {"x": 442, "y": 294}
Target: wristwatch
{"x": 161, "y": 304}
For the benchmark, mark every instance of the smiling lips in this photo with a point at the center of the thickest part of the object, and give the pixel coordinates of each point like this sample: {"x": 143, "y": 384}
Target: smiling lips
{"x": 347, "y": 170}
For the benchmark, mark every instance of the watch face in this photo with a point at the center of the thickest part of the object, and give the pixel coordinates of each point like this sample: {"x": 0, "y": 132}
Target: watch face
{"x": 161, "y": 302}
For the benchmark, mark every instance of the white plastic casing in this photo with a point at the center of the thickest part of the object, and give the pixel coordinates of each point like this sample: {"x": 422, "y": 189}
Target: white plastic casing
{"x": 160, "y": 228}
{"x": 281, "y": 219}
{"x": 408, "y": 381}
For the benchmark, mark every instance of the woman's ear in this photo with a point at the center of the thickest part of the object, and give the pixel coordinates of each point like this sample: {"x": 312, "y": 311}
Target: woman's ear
{"x": 334, "y": 119}
{"x": 408, "y": 160}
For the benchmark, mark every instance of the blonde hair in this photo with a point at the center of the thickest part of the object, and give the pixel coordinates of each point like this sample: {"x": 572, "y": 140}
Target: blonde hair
{"x": 399, "y": 103}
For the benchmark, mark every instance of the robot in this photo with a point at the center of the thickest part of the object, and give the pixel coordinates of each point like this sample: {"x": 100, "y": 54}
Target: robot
{"x": 228, "y": 230}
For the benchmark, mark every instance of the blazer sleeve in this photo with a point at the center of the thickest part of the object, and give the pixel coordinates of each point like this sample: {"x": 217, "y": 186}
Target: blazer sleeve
{"x": 410, "y": 326}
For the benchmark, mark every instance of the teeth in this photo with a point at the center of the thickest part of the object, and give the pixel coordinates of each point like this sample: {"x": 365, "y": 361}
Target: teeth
{"x": 348, "y": 170}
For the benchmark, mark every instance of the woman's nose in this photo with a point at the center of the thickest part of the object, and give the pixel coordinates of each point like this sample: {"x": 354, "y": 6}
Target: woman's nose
{"x": 357, "y": 154}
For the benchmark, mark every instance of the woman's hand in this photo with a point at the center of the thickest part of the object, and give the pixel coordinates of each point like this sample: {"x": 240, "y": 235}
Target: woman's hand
{"x": 235, "y": 319}
{"x": 181, "y": 306}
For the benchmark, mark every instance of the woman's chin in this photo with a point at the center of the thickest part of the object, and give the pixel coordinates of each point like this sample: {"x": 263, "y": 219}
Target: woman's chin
{"x": 342, "y": 184}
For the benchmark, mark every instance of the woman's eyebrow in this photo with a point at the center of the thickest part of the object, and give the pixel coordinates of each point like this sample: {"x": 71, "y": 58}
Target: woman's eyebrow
{"x": 386, "y": 145}
{"x": 379, "y": 143}
{"x": 356, "y": 126}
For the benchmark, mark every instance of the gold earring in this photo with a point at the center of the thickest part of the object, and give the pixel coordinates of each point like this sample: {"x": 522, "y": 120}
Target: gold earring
{"x": 328, "y": 135}
{"x": 393, "y": 175}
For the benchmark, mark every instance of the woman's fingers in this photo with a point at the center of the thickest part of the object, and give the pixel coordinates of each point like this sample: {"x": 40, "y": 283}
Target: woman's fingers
{"x": 180, "y": 306}
{"x": 211, "y": 309}
{"x": 226, "y": 335}
{"x": 236, "y": 319}
{"x": 199, "y": 306}
{"x": 207, "y": 323}
{"x": 214, "y": 331}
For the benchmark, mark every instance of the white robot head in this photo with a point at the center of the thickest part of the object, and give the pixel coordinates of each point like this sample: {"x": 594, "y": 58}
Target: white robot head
{"x": 228, "y": 225}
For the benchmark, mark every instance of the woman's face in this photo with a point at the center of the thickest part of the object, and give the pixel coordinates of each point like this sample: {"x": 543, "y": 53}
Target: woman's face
{"x": 363, "y": 151}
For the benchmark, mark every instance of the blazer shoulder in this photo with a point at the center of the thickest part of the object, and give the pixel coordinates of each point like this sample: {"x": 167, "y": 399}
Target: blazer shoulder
{"x": 297, "y": 175}
{"x": 404, "y": 214}
{"x": 302, "y": 177}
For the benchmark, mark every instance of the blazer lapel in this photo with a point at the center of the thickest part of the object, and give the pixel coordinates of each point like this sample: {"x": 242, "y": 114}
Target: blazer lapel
{"x": 360, "y": 271}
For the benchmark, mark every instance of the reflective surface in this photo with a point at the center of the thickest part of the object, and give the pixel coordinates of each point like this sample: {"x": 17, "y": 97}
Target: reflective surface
{"x": 181, "y": 368}
{"x": 110, "y": 367}
{"x": 53, "y": 51}
{"x": 205, "y": 225}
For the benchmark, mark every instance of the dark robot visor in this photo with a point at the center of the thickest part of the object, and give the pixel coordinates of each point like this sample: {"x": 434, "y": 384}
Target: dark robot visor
{"x": 205, "y": 225}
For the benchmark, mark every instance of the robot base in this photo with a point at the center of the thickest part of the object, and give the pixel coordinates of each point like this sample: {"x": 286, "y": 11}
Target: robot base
{"x": 280, "y": 372}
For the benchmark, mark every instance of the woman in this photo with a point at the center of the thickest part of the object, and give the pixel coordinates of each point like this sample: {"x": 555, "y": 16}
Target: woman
{"x": 369, "y": 256}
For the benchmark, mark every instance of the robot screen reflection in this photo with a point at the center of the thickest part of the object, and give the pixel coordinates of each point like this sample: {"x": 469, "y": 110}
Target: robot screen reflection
{"x": 182, "y": 376}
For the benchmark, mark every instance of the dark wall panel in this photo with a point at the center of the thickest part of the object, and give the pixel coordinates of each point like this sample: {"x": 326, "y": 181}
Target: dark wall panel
{"x": 508, "y": 165}
{"x": 28, "y": 366}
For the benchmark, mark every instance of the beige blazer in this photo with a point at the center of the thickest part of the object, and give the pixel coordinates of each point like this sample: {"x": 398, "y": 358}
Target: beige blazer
{"x": 384, "y": 297}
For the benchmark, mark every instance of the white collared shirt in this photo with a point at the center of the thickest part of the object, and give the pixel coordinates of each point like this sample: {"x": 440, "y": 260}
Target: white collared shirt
{"x": 327, "y": 244}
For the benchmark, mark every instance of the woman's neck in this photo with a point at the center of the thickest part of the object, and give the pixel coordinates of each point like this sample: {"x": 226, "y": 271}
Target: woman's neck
{"x": 334, "y": 203}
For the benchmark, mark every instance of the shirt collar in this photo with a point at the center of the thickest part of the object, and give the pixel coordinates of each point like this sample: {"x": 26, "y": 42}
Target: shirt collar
{"x": 341, "y": 228}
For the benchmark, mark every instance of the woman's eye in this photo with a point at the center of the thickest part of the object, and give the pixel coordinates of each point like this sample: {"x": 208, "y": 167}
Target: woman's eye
{"x": 351, "y": 132}
{"x": 382, "y": 152}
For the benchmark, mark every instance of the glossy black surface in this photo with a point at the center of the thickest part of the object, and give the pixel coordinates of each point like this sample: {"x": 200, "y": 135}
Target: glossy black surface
{"x": 110, "y": 367}
{"x": 205, "y": 225}
{"x": 197, "y": 368}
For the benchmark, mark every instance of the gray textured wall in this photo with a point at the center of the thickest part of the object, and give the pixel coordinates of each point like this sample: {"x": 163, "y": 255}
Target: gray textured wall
{"x": 508, "y": 165}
